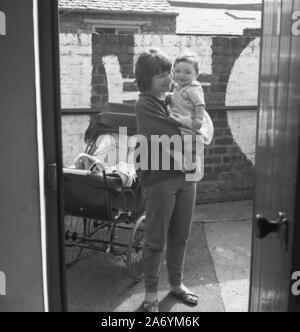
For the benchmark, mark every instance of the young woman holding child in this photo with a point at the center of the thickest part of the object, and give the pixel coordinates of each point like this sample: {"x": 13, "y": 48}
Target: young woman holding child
{"x": 169, "y": 198}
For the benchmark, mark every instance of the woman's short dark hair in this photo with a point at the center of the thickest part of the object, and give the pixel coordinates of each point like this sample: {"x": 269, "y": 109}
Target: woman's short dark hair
{"x": 148, "y": 64}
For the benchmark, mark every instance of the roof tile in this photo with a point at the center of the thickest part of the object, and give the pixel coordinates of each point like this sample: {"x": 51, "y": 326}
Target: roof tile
{"x": 138, "y": 6}
{"x": 198, "y": 21}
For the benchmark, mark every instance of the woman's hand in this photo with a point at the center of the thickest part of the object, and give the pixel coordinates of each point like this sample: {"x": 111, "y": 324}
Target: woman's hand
{"x": 188, "y": 131}
{"x": 181, "y": 122}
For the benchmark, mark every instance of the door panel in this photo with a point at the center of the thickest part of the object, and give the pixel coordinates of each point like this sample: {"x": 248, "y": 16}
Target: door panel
{"x": 276, "y": 159}
{"x": 21, "y": 168}
{"x": 294, "y": 124}
{"x": 20, "y": 236}
{"x": 267, "y": 204}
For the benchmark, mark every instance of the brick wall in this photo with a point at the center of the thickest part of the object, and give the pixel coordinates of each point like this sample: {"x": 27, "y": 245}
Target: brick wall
{"x": 229, "y": 161}
{"x": 119, "y": 68}
{"x": 75, "y": 70}
{"x": 218, "y": 56}
{"x": 113, "y": 62}
{"x": 229, "y": 74}
{"x": 229, "y": 174}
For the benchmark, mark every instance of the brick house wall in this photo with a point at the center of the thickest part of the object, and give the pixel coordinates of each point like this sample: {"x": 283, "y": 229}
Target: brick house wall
{"x": 229, "y": 174}
{"x": 227, "y": 81}
{"x": 157, "y": 24}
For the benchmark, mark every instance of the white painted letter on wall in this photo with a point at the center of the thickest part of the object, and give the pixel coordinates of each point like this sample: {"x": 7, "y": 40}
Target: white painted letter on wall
{"x": 76, "y": 70}
{"x": 242, "y": 90}
{"x": 2, "y": 24}
{"x": 115, "y": 81}
{"x": 114, "y": 78}
{"x": 296, "y": 24}
{"x": 2, "y": 284}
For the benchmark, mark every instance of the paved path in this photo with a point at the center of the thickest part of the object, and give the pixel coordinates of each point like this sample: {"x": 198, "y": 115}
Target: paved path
{"x": 228, "y": 229}
{"x": 217, "y": 268}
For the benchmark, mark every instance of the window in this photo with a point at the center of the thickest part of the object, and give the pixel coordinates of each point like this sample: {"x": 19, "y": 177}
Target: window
{"x": 100, "y": 31}
{"x": 117, "y": 27}
{"x": 116, "y": 31}
{"x": 2, "y": 24}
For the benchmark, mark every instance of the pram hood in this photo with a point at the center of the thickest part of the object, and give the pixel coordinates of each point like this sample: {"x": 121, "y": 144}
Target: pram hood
{"x": 113, "y": 151}
{"x": 110, "y": 122}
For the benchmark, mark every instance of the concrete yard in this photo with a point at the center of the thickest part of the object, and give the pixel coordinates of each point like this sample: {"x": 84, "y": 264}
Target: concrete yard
{"x": 217, "y": 268}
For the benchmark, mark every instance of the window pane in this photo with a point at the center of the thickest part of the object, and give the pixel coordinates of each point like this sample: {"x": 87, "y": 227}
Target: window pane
{"x": 105, "y": 30}
{"x": 127, "y": 32}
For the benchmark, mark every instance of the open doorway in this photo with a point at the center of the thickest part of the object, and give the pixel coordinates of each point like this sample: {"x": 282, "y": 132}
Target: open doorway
{"x": 49, "y": 235}
{"x": 98, "y": 48}
{"x": 97, "y": 53}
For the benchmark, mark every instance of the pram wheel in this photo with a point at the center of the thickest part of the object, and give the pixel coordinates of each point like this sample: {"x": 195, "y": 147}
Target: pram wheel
{"x": 135, "y": 250}
{"x": 76, "y": 229}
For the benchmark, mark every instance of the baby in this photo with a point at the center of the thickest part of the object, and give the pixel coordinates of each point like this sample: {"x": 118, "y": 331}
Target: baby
{"x": 187, "y": 104}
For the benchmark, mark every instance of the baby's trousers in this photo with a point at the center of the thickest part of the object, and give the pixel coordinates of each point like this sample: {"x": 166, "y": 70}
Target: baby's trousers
{"x": 169, "y": 206}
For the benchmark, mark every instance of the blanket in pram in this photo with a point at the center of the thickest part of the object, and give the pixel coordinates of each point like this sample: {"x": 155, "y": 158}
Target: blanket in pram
{"x": 110, "y": 150}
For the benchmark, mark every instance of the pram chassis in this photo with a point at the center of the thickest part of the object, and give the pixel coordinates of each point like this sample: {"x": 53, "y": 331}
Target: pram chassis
{"x": 107, "y": 234}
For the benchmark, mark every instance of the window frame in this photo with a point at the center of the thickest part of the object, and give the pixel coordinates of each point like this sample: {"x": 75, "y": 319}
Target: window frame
{"x": 117, "y": 25}
{"x": 117, "y": 28}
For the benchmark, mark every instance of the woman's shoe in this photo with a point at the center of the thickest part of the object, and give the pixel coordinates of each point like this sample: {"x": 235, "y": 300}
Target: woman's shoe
{"x": 151, "y": 306}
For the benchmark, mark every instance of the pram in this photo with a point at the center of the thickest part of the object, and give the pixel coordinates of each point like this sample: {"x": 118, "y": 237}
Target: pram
{"x": 103, "y": 211}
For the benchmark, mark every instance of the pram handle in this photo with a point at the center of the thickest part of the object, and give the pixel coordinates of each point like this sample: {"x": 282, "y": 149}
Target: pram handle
{"x": 97, "y": 163}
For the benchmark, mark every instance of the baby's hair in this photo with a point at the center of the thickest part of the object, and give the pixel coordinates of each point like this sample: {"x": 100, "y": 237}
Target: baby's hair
{"x": 190, "y": 58}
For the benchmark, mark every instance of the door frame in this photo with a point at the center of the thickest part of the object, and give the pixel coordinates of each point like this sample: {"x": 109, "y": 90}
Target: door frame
{"x": 293, "y": 302}
{"x": 257, "y": 128}
{"x": 52, "y": 138}
{"x": 52, "y": 141}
